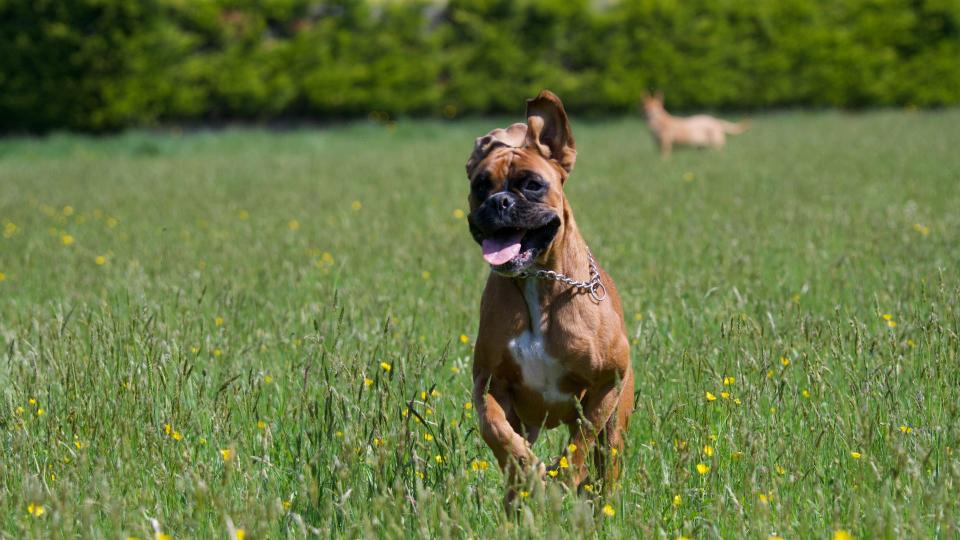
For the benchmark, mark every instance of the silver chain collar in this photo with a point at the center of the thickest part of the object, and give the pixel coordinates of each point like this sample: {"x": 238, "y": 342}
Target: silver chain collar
{"x": 593, "y": 286}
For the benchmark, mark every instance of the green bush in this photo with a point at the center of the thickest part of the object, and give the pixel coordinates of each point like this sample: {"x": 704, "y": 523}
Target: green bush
{"x": 107, "y": 64}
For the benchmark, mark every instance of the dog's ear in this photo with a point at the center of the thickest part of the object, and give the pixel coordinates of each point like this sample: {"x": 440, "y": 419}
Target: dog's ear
{"x": 513, "y": 136}
{"x": 548, "y": 130}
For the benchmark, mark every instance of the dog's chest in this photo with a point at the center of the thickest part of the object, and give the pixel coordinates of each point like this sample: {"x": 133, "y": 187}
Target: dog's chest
{"x": 540, "y": 371}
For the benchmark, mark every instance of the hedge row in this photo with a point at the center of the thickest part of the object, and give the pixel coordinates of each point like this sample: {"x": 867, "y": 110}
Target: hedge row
{"x": 107, "y": 64}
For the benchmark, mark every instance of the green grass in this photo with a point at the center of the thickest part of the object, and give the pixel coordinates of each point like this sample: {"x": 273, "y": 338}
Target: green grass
{"x": 792, "y": 243}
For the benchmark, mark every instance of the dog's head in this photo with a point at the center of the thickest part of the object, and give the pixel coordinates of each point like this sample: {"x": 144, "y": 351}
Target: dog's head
{"x": 516, "y": 186}
{"x": 653, "y": 103}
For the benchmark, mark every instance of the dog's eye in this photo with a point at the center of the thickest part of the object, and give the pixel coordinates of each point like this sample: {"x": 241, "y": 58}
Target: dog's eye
{"x": 533, "y": 186}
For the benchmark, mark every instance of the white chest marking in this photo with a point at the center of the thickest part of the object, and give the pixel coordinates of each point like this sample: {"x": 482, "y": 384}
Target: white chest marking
{"x": 541, "y": 372}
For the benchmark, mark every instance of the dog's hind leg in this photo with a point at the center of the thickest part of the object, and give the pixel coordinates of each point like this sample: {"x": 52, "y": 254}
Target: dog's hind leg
{"x": 608, "y": 452}
{"x": 599, "y": 409}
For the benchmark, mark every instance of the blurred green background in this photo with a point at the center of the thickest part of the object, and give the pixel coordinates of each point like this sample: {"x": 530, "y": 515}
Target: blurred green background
{"x": 107, "y": 64}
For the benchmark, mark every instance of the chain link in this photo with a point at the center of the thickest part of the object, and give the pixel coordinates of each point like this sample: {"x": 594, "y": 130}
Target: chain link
{"x": 593, "y": 286}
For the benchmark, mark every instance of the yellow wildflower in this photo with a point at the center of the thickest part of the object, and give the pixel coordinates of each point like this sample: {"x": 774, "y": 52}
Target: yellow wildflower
{"x": 725, "y": 394}
{"x": 564, "y": 464}
{"x": 32, "y": 401}
{"x": 367, "y": 381}
{"x": 425, "y": 274}
{"x": 609, "y": 511}
{"x": 356, "y": 205}
{"x": 711, "y": 397}
{"x": 524, "y": 494}
{"x": 703, "y": 468}
{"x": 218, "y": 320}
{"x": 176, "y": 435}
{"x": 226, "y": 454}
{"x": 217, "y": 353}
{"x": 293, "y": 225}
{"x": 464, "y": 339}
{"x": 100, "y": 260}
{"x": 427, "y": 437}
{"x": 267, "y": 379}
{"x": 892, "y": 324}
{"x": 763, "y": 498}
{"x": 67, "y": 239}
{"x": 385, "y": 366}
{"x": 40, "y": 411}
{"x": 552, "y": 473}
{"x": 3, "y": 276}
{"x": 784, "y": 361}
{"x": 856, "y": 455}
{"x": 677, "y": 501}
{"x": 614, "y": 452}
{"x": 571, "y": 448}
{"x": 243, "y": 215}
{"x": 806, "y": 393}
{"x": 906, "y": 429}
{"x": 708, "y": 450}
{"x": 261, "y": 424}
{"x": 458, "y": 214}
{"x": 841, "y": 534}
{"x": 35, "y": 510}
{"x": 780, "y": 470}
{"x": 241, "y": 534}
{"x": 887, "y": 316}
{"x": 727, "y": 381}
{"x": 68, "y": 211}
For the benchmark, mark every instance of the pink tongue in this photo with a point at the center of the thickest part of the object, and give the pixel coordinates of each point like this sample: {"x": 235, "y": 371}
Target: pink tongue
{"x": 499, "y": 251}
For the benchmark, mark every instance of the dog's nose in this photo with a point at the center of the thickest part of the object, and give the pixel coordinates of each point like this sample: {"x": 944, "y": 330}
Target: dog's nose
{"x": 501, "y": 201}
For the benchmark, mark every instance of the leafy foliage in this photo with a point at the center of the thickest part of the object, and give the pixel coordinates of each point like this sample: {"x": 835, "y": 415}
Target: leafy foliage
{"x": 106, "y": 64}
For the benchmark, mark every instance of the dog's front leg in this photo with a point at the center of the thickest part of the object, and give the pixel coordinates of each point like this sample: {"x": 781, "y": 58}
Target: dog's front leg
{"x": 500, "y": 428}
{"x": 598, "y": 408}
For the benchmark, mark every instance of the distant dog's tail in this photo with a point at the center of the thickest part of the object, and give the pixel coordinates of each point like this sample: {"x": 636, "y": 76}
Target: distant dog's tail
{"x": 734, "y": 128}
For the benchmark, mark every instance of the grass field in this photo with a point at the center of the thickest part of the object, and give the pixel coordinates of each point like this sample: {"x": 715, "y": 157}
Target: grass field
{"x": 219, "y": 330}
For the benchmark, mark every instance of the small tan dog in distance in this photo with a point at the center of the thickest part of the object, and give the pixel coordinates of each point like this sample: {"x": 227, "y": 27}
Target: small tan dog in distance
{"x": 700, "y": 130}
{"x": 552, "y": 347}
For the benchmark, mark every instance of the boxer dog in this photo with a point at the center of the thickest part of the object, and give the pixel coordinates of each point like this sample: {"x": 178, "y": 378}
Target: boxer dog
{"x": 701, "y": 130}
{"x": 552, "y": 346}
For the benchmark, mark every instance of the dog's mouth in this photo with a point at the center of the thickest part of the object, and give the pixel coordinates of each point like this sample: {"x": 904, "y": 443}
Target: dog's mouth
{"x": 511, "y": 250}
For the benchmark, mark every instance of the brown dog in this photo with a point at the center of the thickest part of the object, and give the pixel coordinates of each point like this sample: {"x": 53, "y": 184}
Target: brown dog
{"x": 700, "y": 130}
{"x": 552, "y": 346}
